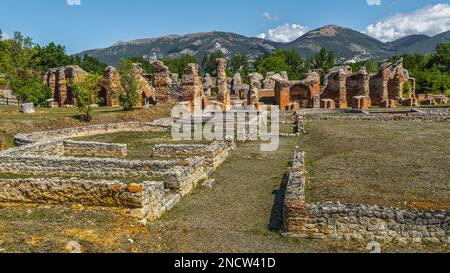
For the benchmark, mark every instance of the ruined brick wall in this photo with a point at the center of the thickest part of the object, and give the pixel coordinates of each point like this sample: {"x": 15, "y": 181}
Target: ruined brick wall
{"x": 336, "y": 88}
{"x": 164, "y": 92}
{"x": 111, "y": 87}
{"x": 334, "y": 220}
{"x": 223, "y": 92}
{"x": 192, "y": 87}
{"x": 253, "y": 92}
{"x": 357, "y": 85}
{"x": 283, "y": 94}
{"x": 57, "y": 80}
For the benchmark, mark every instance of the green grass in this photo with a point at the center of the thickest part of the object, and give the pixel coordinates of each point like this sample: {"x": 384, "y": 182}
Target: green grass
{"x": 140, "y": 144}
{"x": 235, "y": 216}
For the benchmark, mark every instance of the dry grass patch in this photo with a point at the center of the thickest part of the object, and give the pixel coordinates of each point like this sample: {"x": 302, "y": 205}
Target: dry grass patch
{"x": 399, "y": 164}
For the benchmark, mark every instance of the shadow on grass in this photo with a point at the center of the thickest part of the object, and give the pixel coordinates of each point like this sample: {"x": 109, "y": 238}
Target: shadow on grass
{"x": 276, "y": 216}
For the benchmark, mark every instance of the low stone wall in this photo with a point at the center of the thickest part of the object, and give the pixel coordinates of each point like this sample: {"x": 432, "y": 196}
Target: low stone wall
{"x": 334, "y": 220}
{"x": 24, "y": 139}
{"x": 433, "y": 115}
{"x": 214, "y": 154}
{"x": 146, "y": 200}
{"x": 86, "y": 148}
{"x": 91, "y": 167}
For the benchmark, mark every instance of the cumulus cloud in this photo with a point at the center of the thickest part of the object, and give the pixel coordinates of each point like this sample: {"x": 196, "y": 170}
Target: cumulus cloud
{"x": 285, "y": 33}
{"x": 374, "y": 2}
{"x": 430, "y": 20}
{"x": 73, "y": 2}
{"x": 270, "y": 17}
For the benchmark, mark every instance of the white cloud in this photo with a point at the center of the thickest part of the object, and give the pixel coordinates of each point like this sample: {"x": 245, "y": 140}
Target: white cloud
{"x": 73, "y": 2}
{"x": 430, "y": 20}
{"x": 4, "y": 36}
{"x": 374, "y": 2}
{"x": 270, "y": 17}
{"x": 285, "y": 33}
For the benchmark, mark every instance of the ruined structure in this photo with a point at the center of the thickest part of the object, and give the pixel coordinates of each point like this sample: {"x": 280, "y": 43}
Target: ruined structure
{"x": 58, "y": 80}
{"x": 361, "y": 90}
{"x": 252, "y": 95}
{"x": 192, "y": 88}
{"x": 163, "y": 83}
{"x": 223, "y": 92}
{"x": 111, "y": 87}
{"x": 290, "y": 95}
{"x": 208, "y": 84}
{"x": 146, "y": 92}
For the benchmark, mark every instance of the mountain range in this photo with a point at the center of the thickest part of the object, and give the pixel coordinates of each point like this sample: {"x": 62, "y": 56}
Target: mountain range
{"x": 348, "y": 45}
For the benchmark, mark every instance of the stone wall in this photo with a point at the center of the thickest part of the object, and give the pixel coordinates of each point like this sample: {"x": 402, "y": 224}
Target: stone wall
{"x": 164, "y": 91}
{"x": 146, "y": 201}
{"x": 87, "y": 148}
{"x": 57, "y": 79}
{"x": 24, "y": 139}
{"x": 110, "y": 87}
{"x": 223, "y": 92}
{"x": 192, "y": 88}
{"x": 214, "y": 154}
{"x": 334, "y": 220}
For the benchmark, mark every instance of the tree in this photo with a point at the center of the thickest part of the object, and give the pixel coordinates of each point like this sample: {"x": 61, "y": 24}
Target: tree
{"x": 18, "y": 61}
{"x": 130, "y": 86}
{"x": 179, "y": 64}
{"x": 87, "y": 94}
{"x": 324, "y": 60}
{"x": 52, "y": 56}
{"x": 209, "y": 65}
{"x": 92, "y": 65}
{"x": 148, "y": 68}
{"x": 283, "y": 60}
{"x": 33, "y": 91}
{"x": 441, "y": 59}
{"x": 239, "y": 64}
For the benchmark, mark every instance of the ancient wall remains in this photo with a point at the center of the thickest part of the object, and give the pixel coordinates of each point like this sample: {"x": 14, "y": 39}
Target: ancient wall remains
{"x": 223, "y": 92}
{"x": 334, "y": 220}
{"x": 92, "y": 149}
{"x": 164, "y": 89}
{"x": 192, "y": 88}
{"x": 58, "y": 79}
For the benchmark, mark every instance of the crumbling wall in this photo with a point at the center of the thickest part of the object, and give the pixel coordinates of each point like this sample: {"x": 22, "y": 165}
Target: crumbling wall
{"x": 333, "y": 220}
{"x": 223, "y": 92}
{"x": 164, "y": 89}
{"x": 336, "y": 88}
{"x": 192, "y": 88}
{"x": 87, "y": 148}
{"x": 58, "y": 79}
{"x": 111, "y": 87}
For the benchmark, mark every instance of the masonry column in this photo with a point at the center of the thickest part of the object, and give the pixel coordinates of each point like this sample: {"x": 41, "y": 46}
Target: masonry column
{"x": 223, "y": 93}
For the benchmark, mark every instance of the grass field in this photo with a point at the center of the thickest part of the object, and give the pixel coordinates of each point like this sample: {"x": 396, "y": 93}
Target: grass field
{"x": 238, "y": 215}
{"x": 400, "y": 164}
{"x": 139, "y": 144}
{"x": 12, "y": 122}
{"x": 386, "y": 163}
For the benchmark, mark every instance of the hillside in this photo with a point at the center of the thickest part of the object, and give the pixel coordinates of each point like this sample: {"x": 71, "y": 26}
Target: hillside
{"x": 348, "y": 45}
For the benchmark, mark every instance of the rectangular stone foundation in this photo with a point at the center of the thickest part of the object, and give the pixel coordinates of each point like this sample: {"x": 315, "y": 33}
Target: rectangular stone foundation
{"x": 145, "y": 201}
{"x": 334, "y": 220}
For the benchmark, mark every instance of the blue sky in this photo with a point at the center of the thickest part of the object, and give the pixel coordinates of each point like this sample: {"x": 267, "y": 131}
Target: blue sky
{"x": 87, "y": 24}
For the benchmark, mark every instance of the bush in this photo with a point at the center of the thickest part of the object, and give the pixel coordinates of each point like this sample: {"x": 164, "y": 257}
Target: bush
{"x": 87, "y": 94}
{"x": 33, "y": 91}
{"x": 129, "y": 94}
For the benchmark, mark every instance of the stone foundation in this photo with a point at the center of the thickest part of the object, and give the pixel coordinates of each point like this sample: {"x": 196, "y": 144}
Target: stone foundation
{"x": 334, "y": 220}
